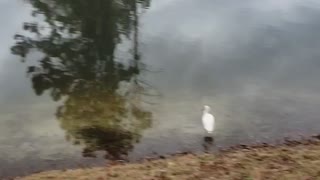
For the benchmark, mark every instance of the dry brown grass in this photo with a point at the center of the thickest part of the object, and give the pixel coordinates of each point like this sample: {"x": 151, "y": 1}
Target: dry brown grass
{"x": 299, "y": 162}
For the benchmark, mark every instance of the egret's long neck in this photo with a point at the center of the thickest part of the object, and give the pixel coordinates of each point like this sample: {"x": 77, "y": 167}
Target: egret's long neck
{"x": 205, "y": 111}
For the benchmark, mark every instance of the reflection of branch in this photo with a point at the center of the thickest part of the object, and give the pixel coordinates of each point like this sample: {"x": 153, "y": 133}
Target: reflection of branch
{"x": 152, "y": 71}
{"x": 150, "y": 86}
{"x": 150, "y": 95}
{"x": 144, "y": 83}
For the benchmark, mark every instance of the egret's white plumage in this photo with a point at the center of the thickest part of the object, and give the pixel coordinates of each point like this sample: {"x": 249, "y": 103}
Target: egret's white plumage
{"x": 208, "y": 120}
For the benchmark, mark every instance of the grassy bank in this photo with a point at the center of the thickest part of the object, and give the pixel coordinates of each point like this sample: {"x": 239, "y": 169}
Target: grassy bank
{"x": 296, "y": 160}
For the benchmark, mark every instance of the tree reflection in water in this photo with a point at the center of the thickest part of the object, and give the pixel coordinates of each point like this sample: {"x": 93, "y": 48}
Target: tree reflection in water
{"x": 104, "y": 107}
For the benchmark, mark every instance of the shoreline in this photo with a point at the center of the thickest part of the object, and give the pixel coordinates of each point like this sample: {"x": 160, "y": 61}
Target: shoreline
{"x": 294, "y": 159}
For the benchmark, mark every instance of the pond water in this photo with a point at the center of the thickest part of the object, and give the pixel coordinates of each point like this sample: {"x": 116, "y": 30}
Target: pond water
{"x": 84, "y": 82}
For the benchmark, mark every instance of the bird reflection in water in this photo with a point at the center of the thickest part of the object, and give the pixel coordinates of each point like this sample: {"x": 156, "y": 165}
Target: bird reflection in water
{"x": 208, "y": 143}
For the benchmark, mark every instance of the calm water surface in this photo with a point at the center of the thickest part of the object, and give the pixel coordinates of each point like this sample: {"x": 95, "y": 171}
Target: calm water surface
{"x": 84, "y": 82}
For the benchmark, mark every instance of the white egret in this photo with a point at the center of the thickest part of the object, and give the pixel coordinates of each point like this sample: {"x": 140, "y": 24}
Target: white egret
{"x": 208, "y": 120}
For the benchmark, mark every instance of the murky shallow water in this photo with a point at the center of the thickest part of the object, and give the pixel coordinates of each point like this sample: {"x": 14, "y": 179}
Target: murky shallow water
{"x": 83, "y": 82}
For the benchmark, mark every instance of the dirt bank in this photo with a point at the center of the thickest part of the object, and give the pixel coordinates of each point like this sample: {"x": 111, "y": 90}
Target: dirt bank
{"x": 292, "y": 160}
